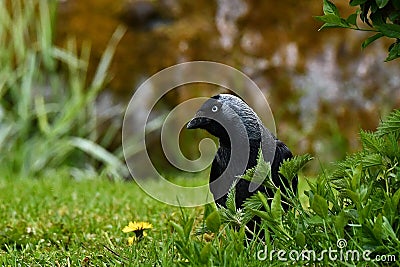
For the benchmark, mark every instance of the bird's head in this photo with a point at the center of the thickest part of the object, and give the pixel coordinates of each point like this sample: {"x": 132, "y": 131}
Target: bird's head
{"x": 224, "y": 115}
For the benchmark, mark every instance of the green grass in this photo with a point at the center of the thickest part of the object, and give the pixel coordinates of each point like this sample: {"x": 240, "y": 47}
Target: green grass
{"x": 60, "y": 220}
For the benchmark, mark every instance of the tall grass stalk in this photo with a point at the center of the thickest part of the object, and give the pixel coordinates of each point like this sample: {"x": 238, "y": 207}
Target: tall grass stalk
{"x": 47, "y": 106}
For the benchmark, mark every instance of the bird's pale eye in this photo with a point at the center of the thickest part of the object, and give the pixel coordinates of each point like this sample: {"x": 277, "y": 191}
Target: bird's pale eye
{"x": 214, "y": 109}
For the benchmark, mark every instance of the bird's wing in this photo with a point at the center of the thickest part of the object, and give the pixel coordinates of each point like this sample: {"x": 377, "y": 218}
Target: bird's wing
{"x": 218, "y": 185}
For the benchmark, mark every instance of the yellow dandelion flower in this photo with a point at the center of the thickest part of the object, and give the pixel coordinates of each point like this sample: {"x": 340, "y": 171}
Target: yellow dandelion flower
{"x": 137, "y": 226}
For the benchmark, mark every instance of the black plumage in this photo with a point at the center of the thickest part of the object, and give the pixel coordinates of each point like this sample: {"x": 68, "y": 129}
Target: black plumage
{"x": 239, "y": 131}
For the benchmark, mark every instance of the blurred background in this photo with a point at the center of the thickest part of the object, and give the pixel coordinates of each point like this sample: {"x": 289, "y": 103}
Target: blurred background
{"x": 322, "y": 88}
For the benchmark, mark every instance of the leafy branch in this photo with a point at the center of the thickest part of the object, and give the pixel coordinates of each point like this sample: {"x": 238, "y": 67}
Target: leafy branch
{"x": 382, "y": 16}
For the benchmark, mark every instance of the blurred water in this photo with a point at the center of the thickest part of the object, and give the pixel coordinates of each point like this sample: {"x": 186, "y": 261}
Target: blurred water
{"x": 228, "y": 12}
{"x": 321, "y": 87}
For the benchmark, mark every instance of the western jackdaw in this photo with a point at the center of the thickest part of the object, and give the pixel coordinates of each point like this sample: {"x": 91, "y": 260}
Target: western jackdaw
{"x": 241, "y": 134}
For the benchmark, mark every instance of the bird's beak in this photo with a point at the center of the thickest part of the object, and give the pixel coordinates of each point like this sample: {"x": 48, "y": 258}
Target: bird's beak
{"x": 197, "y": 122}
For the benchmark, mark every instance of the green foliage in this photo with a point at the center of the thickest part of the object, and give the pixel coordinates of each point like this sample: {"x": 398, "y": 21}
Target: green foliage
{"x": 290, "y": 167}
{"x": 47, "y": 112}
{"x": 213, "y": 221}
{"x": 382, "y": 16}
{"x": 231, "y": 215}
{"x": 357, "y": 201}
{"x": 259, "y": 174}
{"x": 391, "y": 125}
{"x": 368, "y": 184}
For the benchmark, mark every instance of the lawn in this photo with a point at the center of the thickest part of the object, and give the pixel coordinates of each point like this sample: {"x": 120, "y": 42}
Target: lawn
{"x": 61, "y": 221}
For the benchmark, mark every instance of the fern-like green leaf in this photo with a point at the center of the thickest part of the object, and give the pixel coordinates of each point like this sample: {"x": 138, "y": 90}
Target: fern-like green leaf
{"x": 341, "y": 168}
{"x": 230, "y": 200}
{"x": 290, "y": 167}
{"x": 392, "y": 146}
{"x": 391, "y": 124}
{"x": 230, "y": 214}
{"x": 234, "y": 218}
{"x": 259, "y": 174}
{"x": 262, "y": 170}
{"x": 371, "y": 160}
{"x": 372, "y": 142}
{"x": 250, "y": 204}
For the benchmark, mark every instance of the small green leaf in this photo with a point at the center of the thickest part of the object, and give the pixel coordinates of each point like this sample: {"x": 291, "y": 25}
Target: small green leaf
{"x": 320, "y": 206}
{"x": 329, "y": 26}
{"x": 315, "y": 220}
{"x": 357, "y": 2}
{"x": 208, "y": 209}
{"x": 213, "y": 221}
{"x": 390, "y": 30}
{"x": 300, "y": 239}
{"x": 352, "y": 19}
{"x": 381, "y": 3}
{"x": 387, "y": 209}
{"x": 331, "y": 19}
{"x": 263, "y": 199}
{"x": 340, "y": 223}
{"x": 356, "y": 177}
{"x": 276, "y": 208}
{"x": 394, "y": 52}
{"x": 264, "y": 215}
{"x": 251, "y": 203}
{"x": 330, "y": 8}
{"x": 205, "y": 253}
{"x": 42, "y": 115}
